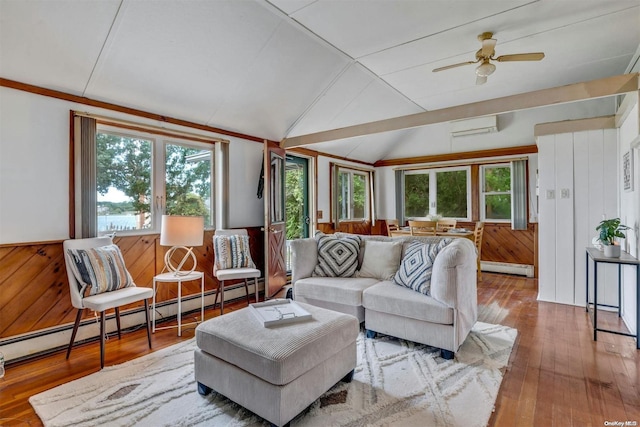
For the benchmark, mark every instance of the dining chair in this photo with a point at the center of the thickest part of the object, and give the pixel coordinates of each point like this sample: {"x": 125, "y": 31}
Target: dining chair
{"x": 477, "y": 239}
{"x": 392, "y": 225}
{"x": 423, "y": 228}
{"x": 446, "y": 224}
{"x": 99, "y": 281}
{"x": 233, "y": 261}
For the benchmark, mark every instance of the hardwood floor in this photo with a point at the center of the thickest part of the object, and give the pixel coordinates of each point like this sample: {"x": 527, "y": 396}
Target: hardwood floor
{"x": 557, "y": 374}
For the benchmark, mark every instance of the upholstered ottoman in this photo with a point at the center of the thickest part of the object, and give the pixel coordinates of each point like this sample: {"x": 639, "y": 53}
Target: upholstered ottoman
{"x": 275, "y": 372}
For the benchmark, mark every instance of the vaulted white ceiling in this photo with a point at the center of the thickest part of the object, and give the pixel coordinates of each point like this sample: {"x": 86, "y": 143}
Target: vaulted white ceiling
{"x": 284, "y": 68}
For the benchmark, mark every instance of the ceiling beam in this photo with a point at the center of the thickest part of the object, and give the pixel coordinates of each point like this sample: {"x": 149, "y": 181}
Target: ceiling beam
{"x": 604, "y": 87}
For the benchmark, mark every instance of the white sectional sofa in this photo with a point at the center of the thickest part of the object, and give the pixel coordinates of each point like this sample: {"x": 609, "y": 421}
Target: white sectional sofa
{"x": 441, "y": 318}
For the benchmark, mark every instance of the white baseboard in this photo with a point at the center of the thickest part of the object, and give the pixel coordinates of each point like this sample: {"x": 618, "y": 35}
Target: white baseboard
{"x": 505, "y": 267}
{"x": 18, "y": 347}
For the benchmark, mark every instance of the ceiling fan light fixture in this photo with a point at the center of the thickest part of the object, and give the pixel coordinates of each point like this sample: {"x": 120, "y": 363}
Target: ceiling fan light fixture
{"x": 485, "y": 69}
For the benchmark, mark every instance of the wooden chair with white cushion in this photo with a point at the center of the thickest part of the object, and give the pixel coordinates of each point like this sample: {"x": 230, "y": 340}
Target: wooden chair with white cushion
{"x": 233, "y": 261}
{"x": 98, "y": 288}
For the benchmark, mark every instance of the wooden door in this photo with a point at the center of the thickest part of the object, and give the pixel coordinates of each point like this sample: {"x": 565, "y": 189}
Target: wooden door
{"x": 274, "y": 219}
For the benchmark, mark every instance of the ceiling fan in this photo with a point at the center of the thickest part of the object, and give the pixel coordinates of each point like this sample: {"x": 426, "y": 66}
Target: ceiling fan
{"x": 486, "y": 54}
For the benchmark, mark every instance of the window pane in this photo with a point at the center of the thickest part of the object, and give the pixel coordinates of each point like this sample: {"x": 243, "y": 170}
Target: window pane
{"x": 343, "y": 195}
{"x": 295, "y": 200}
{"x": 497, "y": 179}
{"x": 123, "y": 174}
{"x": 188, "y": 181}
{"x": 451, "y": 197}
{"x": 497, "y": 206}
{"x": 416, "y": 195}
{"x": 359, "y": 196}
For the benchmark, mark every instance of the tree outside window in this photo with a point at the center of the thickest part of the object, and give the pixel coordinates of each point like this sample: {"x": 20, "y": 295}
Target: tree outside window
{"x": 353, "y": 195}
{"x": 127, "y": 187}
{"x": 496, "y": 192}
{"x": 437, "y": 192}
{"x": 416, "y": 195}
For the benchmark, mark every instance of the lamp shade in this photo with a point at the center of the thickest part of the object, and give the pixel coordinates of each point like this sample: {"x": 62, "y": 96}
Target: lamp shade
{"x": 182, "y": 230}
{"x": 485, "y": 69}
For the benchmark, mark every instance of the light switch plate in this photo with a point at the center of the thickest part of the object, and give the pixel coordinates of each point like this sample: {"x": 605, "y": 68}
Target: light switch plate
{"x": 551, "y": 194}
{"x": 565, "y": 193}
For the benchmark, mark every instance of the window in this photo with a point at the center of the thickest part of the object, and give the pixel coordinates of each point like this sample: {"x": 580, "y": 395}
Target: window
{"x": 123, "y": 174}
{"x": 443, "y": 192}
{"x": 352, "y": 194}
{"x": 126, "y": 179}
{"x": 353, "y": 190}
{"x": 495, "y": 192}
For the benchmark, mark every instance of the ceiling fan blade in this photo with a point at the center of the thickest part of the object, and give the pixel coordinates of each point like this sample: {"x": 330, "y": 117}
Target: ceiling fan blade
{"x": 488, "y": 47}
{"x": 534, "y": 56}
{"x": 435, "y": 70}
{"x": 480, "y": 80}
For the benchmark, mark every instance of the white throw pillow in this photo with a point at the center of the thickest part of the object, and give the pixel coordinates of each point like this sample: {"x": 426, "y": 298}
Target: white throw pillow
{"x": 381, "y": 259}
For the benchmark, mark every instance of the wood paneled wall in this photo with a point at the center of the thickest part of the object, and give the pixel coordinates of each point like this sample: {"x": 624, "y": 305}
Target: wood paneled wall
{"x": 500, "y": 243}
{"x": 34, "y": 291}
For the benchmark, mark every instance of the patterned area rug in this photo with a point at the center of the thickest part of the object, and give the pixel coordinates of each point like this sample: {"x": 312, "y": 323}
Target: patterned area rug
{"x": 396, "y": 383}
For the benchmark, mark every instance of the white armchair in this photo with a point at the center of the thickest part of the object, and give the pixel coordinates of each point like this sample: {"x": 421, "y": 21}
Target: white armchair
{"x": 86, "y": 260}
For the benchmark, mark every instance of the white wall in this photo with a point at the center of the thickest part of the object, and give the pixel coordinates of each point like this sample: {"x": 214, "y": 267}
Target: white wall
{"x": 577, "y": 177}
{"x": 630, "y": 214}
{"x": 34, "y": 168}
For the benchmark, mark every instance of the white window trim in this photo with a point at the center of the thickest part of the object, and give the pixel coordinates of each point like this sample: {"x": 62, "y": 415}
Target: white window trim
{"x": 482, "y": 193}
{"x": 158, "y": 174}
{"x": 433, "y": 189}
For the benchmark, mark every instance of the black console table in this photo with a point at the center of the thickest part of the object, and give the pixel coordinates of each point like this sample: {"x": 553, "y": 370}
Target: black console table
{"x": 625, "y": 259}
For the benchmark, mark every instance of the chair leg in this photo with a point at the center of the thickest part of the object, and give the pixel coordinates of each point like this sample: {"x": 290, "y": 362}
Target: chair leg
{"x": 215, "y": 300}
{"x": 255, "y": 286}
{"x": 75, "y": 330}
{"x": 246, "y": 288}
{"x": 118, "y": 322}
{"x": 146, "y": 316}
{"x": 221, "y": 290}
{"x": 101, "y": 339}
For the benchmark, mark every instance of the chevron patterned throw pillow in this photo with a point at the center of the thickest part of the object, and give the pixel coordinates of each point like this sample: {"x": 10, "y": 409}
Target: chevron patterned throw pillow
{"x": 417, "y": 265}
{"x": 337, "y": 257}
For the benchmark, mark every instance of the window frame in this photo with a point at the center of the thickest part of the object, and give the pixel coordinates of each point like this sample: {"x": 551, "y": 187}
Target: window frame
{"x": 433, "y": 190}
{"x": 482, "y": 194}
{"x": 369, "y": 207}
{"x": 367, "y": 201}
{"x": 159, "y": 142}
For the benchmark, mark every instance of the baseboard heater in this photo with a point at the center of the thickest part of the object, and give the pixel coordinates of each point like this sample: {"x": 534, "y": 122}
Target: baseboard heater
{"x": 45, "y": 341}
{"x": 507, "y": 267}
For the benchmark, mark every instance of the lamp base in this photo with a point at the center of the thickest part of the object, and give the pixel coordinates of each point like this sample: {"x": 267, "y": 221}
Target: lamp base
{"x": 178, "y": 271}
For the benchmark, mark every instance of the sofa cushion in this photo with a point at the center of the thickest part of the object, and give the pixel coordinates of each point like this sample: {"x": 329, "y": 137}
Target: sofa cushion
{"x": 387, "y": 297}
{"x": 417, "y": 265}
{"x": 337, "y": 257}
{"x": 381, "y": 259}
{"x": 343, "y": 290}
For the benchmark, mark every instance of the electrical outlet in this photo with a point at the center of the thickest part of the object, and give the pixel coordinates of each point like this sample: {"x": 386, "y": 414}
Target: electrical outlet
{"x": 319, "y": 214}
{"x": 565, "y": 193}
{"x": 551, "y": 194}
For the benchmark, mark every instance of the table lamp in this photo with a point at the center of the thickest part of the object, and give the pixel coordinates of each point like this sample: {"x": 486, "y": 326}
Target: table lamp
{"x": 181, "y": 232}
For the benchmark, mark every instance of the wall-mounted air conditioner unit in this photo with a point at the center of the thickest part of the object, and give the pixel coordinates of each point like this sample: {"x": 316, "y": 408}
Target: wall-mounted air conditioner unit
{"x": 474, "y": 126}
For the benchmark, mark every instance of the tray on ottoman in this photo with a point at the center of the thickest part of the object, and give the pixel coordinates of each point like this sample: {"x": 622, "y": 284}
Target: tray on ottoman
{"x": 275, "y": 372}
{"x": 278, "y": 312}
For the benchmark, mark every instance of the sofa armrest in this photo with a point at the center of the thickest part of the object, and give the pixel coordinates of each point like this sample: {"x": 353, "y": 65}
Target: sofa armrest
{"x": 304, "y": 258}
{"x": 453, "y": 280}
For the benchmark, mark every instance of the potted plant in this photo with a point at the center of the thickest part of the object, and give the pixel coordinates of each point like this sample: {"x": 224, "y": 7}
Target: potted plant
{"x": 610, "y": 229}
